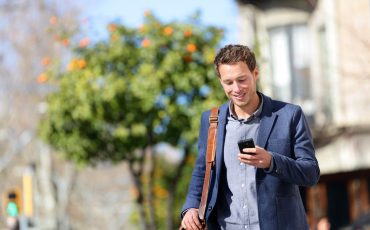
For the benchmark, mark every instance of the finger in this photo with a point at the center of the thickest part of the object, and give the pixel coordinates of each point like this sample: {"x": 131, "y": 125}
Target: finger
{"x": 186, "y": 222}
{"x": 247, "y": 158}
{"x": 259, "y": 163}
{"x": 192, "y": 226}
{"x": 195, "y": 218}
{"x": 250, "y": 150}
{"x": 183, "y": 225}
{"x": 188, "y": 225}
{"x": 251, "y": 160}
{"x": 195, "y": 222}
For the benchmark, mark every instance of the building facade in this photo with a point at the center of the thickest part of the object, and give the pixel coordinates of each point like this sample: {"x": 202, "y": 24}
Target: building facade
{"x": 316, "y": 53}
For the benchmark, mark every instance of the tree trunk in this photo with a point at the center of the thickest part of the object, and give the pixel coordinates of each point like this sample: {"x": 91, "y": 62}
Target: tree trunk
{"x": 172, "y": 189}
{"x": 46, "y": 195}
{"x": 64, "y": 186}
{"x": 170, "y": 206}
{"x": 139, "y": 199}
{"x": 151, "y": 166}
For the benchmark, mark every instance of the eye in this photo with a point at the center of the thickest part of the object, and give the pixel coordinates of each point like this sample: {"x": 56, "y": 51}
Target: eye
{"x": 228, "y": 82}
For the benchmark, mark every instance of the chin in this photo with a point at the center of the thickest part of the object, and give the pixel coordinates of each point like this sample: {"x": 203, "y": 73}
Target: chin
{"x": 240, "y": 103}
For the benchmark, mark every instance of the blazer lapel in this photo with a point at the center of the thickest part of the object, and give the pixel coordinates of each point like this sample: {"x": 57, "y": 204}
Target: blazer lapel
{"x": 267, "y": 122}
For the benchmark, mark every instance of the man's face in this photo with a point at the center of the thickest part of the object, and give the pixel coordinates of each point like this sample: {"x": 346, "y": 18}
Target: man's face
{"x": 239, "y": 83}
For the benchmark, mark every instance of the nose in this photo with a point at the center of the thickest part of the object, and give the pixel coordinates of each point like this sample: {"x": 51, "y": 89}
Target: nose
{"x": 236, "y": 87}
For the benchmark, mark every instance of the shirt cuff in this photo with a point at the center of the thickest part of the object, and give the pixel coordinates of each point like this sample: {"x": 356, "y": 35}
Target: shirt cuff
{"x": 183, "y": 212}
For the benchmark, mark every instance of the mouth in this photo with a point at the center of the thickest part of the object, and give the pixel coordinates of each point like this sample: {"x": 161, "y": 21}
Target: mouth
{"x": 239, "y": 97}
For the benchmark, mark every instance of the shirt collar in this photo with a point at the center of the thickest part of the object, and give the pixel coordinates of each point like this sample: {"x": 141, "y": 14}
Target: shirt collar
{"x": 256, "y": 113}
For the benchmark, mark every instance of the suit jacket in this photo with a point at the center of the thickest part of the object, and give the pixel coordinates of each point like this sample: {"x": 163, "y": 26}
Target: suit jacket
{"x": 283, "y": 132}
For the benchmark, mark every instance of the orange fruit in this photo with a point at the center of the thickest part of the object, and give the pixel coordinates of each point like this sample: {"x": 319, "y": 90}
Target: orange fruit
{"x": 188, "y": 33}
{"x": 145, "y": 43}
{"x": 168, "y": 31}
{"x": 84, "y": 42}
{"x": 53, "y": 20}
{"x": 45, "y": 61}
{"x": 42, "y": 78}
{"x": 112, "y": 27}
{"x": 191, "y": 47}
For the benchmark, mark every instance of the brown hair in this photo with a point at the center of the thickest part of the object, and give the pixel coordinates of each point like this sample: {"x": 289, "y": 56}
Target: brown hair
{"x": 232, "y": 54}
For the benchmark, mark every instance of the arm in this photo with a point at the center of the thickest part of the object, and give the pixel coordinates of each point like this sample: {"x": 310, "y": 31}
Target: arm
{"x": 302, "y": 167}
{"x": 196, "y": 183}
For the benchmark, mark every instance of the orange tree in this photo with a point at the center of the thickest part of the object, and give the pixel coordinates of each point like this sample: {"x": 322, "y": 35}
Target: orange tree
{"x": 121, "y": 96}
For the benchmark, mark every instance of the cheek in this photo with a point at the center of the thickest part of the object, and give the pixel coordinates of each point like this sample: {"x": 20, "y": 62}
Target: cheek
{"x": 226, "y": 88}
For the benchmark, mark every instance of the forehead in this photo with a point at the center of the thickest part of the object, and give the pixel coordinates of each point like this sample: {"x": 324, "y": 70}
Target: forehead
{"x": 233, "y": 70}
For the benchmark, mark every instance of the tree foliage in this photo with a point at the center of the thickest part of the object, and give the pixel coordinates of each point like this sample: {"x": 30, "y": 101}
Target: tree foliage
{"x": 121, "y": 96}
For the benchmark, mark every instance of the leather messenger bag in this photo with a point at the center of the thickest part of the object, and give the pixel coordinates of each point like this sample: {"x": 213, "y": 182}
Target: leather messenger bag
{"x": 210, "y": 163}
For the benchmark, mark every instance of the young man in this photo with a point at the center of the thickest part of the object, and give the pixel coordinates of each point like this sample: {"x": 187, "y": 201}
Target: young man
{"x": 257, "y": 189}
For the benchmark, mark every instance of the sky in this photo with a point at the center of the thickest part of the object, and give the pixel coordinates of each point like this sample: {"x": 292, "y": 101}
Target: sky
{"x": 220, "y": 13}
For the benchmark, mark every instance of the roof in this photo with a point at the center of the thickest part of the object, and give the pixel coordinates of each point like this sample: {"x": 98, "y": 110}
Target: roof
{"x": 305, "y": 5}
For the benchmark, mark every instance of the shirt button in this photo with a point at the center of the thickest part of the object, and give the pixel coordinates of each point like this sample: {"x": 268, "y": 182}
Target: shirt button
{"x": 242, "y": 185}
{"x": 245, "y": 226}
{"x": 244, "y": 206}
{"x": 242, "y": 163}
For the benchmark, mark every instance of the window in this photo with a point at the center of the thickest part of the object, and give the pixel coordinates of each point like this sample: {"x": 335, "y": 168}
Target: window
{"x": 289, "y": 49}
{"x": 325, "y": 107}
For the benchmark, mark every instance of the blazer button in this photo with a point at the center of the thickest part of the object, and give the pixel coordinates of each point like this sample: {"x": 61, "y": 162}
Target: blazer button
{"x": 209, "y": 208}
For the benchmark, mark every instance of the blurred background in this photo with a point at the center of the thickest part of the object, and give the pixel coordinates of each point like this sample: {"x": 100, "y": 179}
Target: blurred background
{"x": 100, "y": 103}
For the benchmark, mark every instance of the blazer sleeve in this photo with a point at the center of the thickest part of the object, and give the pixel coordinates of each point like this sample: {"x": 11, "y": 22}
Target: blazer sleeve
{"x": 301, "y": 167}
{"x": 196, "y": 183}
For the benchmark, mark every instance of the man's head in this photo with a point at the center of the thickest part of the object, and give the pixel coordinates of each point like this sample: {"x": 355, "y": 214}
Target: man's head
{"x": 232, "y": 54}
{"x": 12, "y": 196}
{"x": 238, "y": 74}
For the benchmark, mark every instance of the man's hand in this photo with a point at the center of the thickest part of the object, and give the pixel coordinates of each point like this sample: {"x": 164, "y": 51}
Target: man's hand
{"x": 259, "y": 157}
{"x": 191, "y": 220}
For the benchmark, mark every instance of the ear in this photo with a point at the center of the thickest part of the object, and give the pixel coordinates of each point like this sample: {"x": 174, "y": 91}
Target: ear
{"x": 219, "y": 78}
{"x": 255, "y": 73}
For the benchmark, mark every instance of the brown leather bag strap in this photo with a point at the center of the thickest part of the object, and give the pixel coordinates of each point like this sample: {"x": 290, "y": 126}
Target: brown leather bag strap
{"x": 210, "y": 160}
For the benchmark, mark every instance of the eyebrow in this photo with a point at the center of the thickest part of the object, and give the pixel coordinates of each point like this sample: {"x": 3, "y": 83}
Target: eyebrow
{"x": 237, "y": 78}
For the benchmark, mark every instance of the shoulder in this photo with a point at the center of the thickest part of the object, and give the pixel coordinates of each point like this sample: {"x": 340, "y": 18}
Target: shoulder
{"x": 278, "y": 106}
{"x": 221, "y": 109}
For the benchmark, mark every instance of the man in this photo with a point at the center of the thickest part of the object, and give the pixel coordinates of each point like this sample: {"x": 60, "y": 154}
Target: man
{"x": 260, "y": 189}
{"x": 12, "y": 212}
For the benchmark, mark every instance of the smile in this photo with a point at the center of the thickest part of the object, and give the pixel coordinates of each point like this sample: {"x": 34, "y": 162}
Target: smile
{"x": 239, "y": 97}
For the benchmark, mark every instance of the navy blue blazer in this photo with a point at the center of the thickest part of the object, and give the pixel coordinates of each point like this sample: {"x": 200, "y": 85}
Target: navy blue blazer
{"x": 283, "y": 132}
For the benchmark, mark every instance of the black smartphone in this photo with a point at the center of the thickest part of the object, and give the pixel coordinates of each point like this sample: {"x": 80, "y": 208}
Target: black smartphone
{"x": 247, "y": 143}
